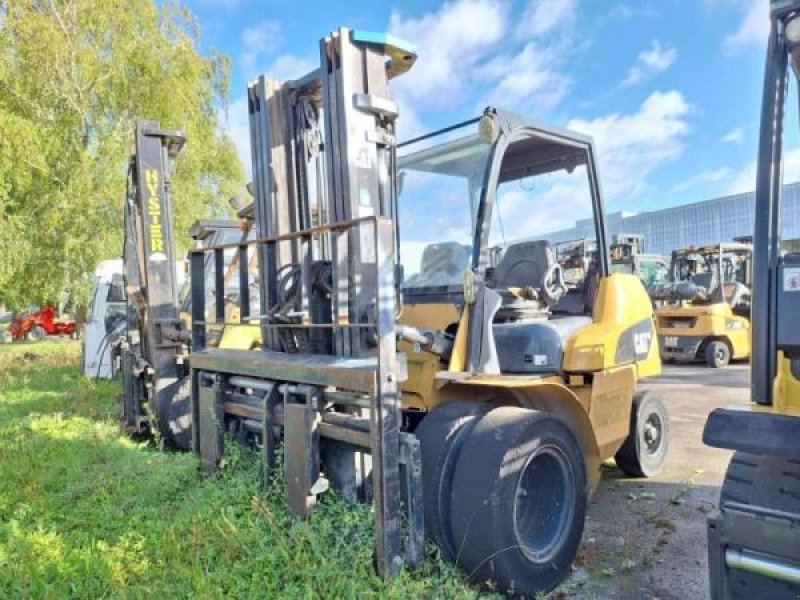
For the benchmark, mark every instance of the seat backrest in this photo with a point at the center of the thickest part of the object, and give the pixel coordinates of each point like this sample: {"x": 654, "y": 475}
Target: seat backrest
{"x": 524, "y": 264}
{"x": 707, "y": 280}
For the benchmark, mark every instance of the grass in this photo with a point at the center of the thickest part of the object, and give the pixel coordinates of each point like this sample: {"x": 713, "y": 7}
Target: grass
{"x": 86, "y": 512}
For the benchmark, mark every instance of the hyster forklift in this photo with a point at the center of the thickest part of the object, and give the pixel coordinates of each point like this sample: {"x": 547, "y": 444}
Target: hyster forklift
{"x": 153, "y": 348}
{"x": 754, "y": 537}
{"x": 705, "y": 312}
{"x": 470, "y": 401}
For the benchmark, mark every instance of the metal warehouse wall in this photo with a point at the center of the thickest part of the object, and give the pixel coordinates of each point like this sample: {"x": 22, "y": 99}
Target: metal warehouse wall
{"x": 707, "y": 222}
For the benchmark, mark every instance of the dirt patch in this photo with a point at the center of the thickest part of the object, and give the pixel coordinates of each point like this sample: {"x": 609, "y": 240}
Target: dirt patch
{"x": 646, "y": 538}
{"x": 28, "y": 358}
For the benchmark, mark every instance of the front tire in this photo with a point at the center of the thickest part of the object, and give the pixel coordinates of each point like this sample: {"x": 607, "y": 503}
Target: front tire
{"x": 36, "y": 334}
{"x": 718, "y": 354}
{"x": 644, "y": 451}
{"x": 762, "y": 482}
{"x": 441, "y": 436}
{"x": 519, "y": 501}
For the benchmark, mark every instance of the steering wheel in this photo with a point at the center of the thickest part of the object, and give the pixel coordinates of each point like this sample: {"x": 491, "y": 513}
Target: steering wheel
{"x": 553, "y": 287}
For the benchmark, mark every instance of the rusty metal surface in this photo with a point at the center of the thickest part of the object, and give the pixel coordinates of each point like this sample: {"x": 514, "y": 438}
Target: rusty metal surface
{"x": 356, "y": 374}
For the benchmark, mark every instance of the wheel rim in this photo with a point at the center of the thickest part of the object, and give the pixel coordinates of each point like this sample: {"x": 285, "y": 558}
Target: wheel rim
{"x": 652, "y": 432}
{"x": 544, "y": 504}
{"x": 720, "y": 354}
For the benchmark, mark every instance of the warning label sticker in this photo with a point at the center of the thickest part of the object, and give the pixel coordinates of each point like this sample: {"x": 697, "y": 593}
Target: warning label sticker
{"x": 791, "y": 279}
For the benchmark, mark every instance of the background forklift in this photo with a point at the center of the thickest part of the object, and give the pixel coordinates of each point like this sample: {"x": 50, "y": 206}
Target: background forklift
{"x": 154, "y": 346}
{"x": 468, "y": 400}
{"x": 578, "y": 257}
{"x": 754, "y": 538}
{"x": 628, "y": 256}
{"x": 705, "y": 311}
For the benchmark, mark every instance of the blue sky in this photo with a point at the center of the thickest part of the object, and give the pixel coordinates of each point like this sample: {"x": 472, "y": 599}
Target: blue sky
{"x": 670, "y": 89}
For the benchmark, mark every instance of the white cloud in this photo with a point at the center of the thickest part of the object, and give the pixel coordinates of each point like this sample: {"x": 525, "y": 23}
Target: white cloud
{"x": 450, "y": 42}
{"x": 556, "y": 202}
{"x": 704, "y": 178}
{"x": 543, "y": 16}
{"x": 289, "y": 66}
{"x": 527, "y": 78}
{"x": 258, "y": 40}
{"x": 734, "y": 136}
{"x": 650, "y": 62}
{"x": 753, "y": 28}
{"x": 746, "y": 181}
{"x": 632, "y": 146}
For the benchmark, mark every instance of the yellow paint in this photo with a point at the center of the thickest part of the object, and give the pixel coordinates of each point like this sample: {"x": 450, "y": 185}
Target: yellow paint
{"x": 419, "y": 390}
{"x": 458, "y": 359}
{"x": 240, "y": 337}
{"x": 786, "y": 390}
{"x": 621, "y": 303}
{"x": 432, "y": 316}
{"x": 713, "y": 321}
{"x": 153, "y": 181}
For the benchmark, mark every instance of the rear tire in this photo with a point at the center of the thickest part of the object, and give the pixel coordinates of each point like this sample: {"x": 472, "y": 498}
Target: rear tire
{"x": 645, "y": 449}
{"x": 718, "y": 354}
{"x": 519, "y": 501}
{"x": 441, "y": 435}
{"x": 36, "y": 334}
{"x": 762, "y": 482}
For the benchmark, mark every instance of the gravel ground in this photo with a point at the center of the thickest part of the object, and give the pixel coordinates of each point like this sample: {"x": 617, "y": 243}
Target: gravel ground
{"x": 646, "y": 538}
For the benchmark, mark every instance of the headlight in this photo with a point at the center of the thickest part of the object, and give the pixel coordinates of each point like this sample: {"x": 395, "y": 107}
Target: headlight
{"x": 793, "y": 31}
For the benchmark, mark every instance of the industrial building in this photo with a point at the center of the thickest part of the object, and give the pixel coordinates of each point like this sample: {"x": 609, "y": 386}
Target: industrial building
{"x": 706, "y": 222}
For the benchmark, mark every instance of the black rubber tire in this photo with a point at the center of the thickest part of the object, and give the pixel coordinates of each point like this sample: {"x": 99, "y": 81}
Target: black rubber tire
{"x": 643, "y": 453}
{"x": 174, "y": 414}
{"x": 507, "y": 450}
{"x": 441, "y": 435}
{"x": 767, "y": 482}
{"x": 718, "y": 354}
{"x": 36, "y": 334}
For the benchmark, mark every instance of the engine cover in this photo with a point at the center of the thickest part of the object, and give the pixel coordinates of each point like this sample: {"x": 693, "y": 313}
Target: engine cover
{"x": 535, "y": 347}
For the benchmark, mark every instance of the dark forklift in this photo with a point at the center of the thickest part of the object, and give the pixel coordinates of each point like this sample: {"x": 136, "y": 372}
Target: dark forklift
{"x": 754, "y": 538}
{"x": 155, "y": 342}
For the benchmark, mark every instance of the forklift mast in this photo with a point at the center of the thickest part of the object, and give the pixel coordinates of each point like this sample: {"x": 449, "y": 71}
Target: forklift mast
{"x": 752, "y": 539}
{"x": 774, "y": 308}
{"x": 150, "y": 352}
{"x": 323, "y": 150}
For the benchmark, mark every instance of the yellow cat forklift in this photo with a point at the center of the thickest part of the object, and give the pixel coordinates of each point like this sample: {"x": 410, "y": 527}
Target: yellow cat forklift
{"x": 705, "y": 308}
{"x": 754, "y": 537}
{"x": 471, "y": 400}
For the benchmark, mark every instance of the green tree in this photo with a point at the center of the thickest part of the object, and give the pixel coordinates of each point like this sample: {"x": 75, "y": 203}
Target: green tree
{"x": 75, "y": 75}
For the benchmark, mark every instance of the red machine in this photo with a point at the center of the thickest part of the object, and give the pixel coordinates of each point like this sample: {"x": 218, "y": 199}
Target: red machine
{"x": 36, "y": 325}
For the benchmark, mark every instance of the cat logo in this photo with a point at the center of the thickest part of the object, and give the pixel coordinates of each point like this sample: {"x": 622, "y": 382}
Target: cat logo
{"x": 153, "y": 183}
{"x": 641, "y": 342}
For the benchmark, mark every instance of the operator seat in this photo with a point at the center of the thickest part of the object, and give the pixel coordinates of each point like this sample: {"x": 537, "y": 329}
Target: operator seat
{"x": 528, "y": 339}
{"x": 520, "y": 279}
{"x": 708, "y": 281}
